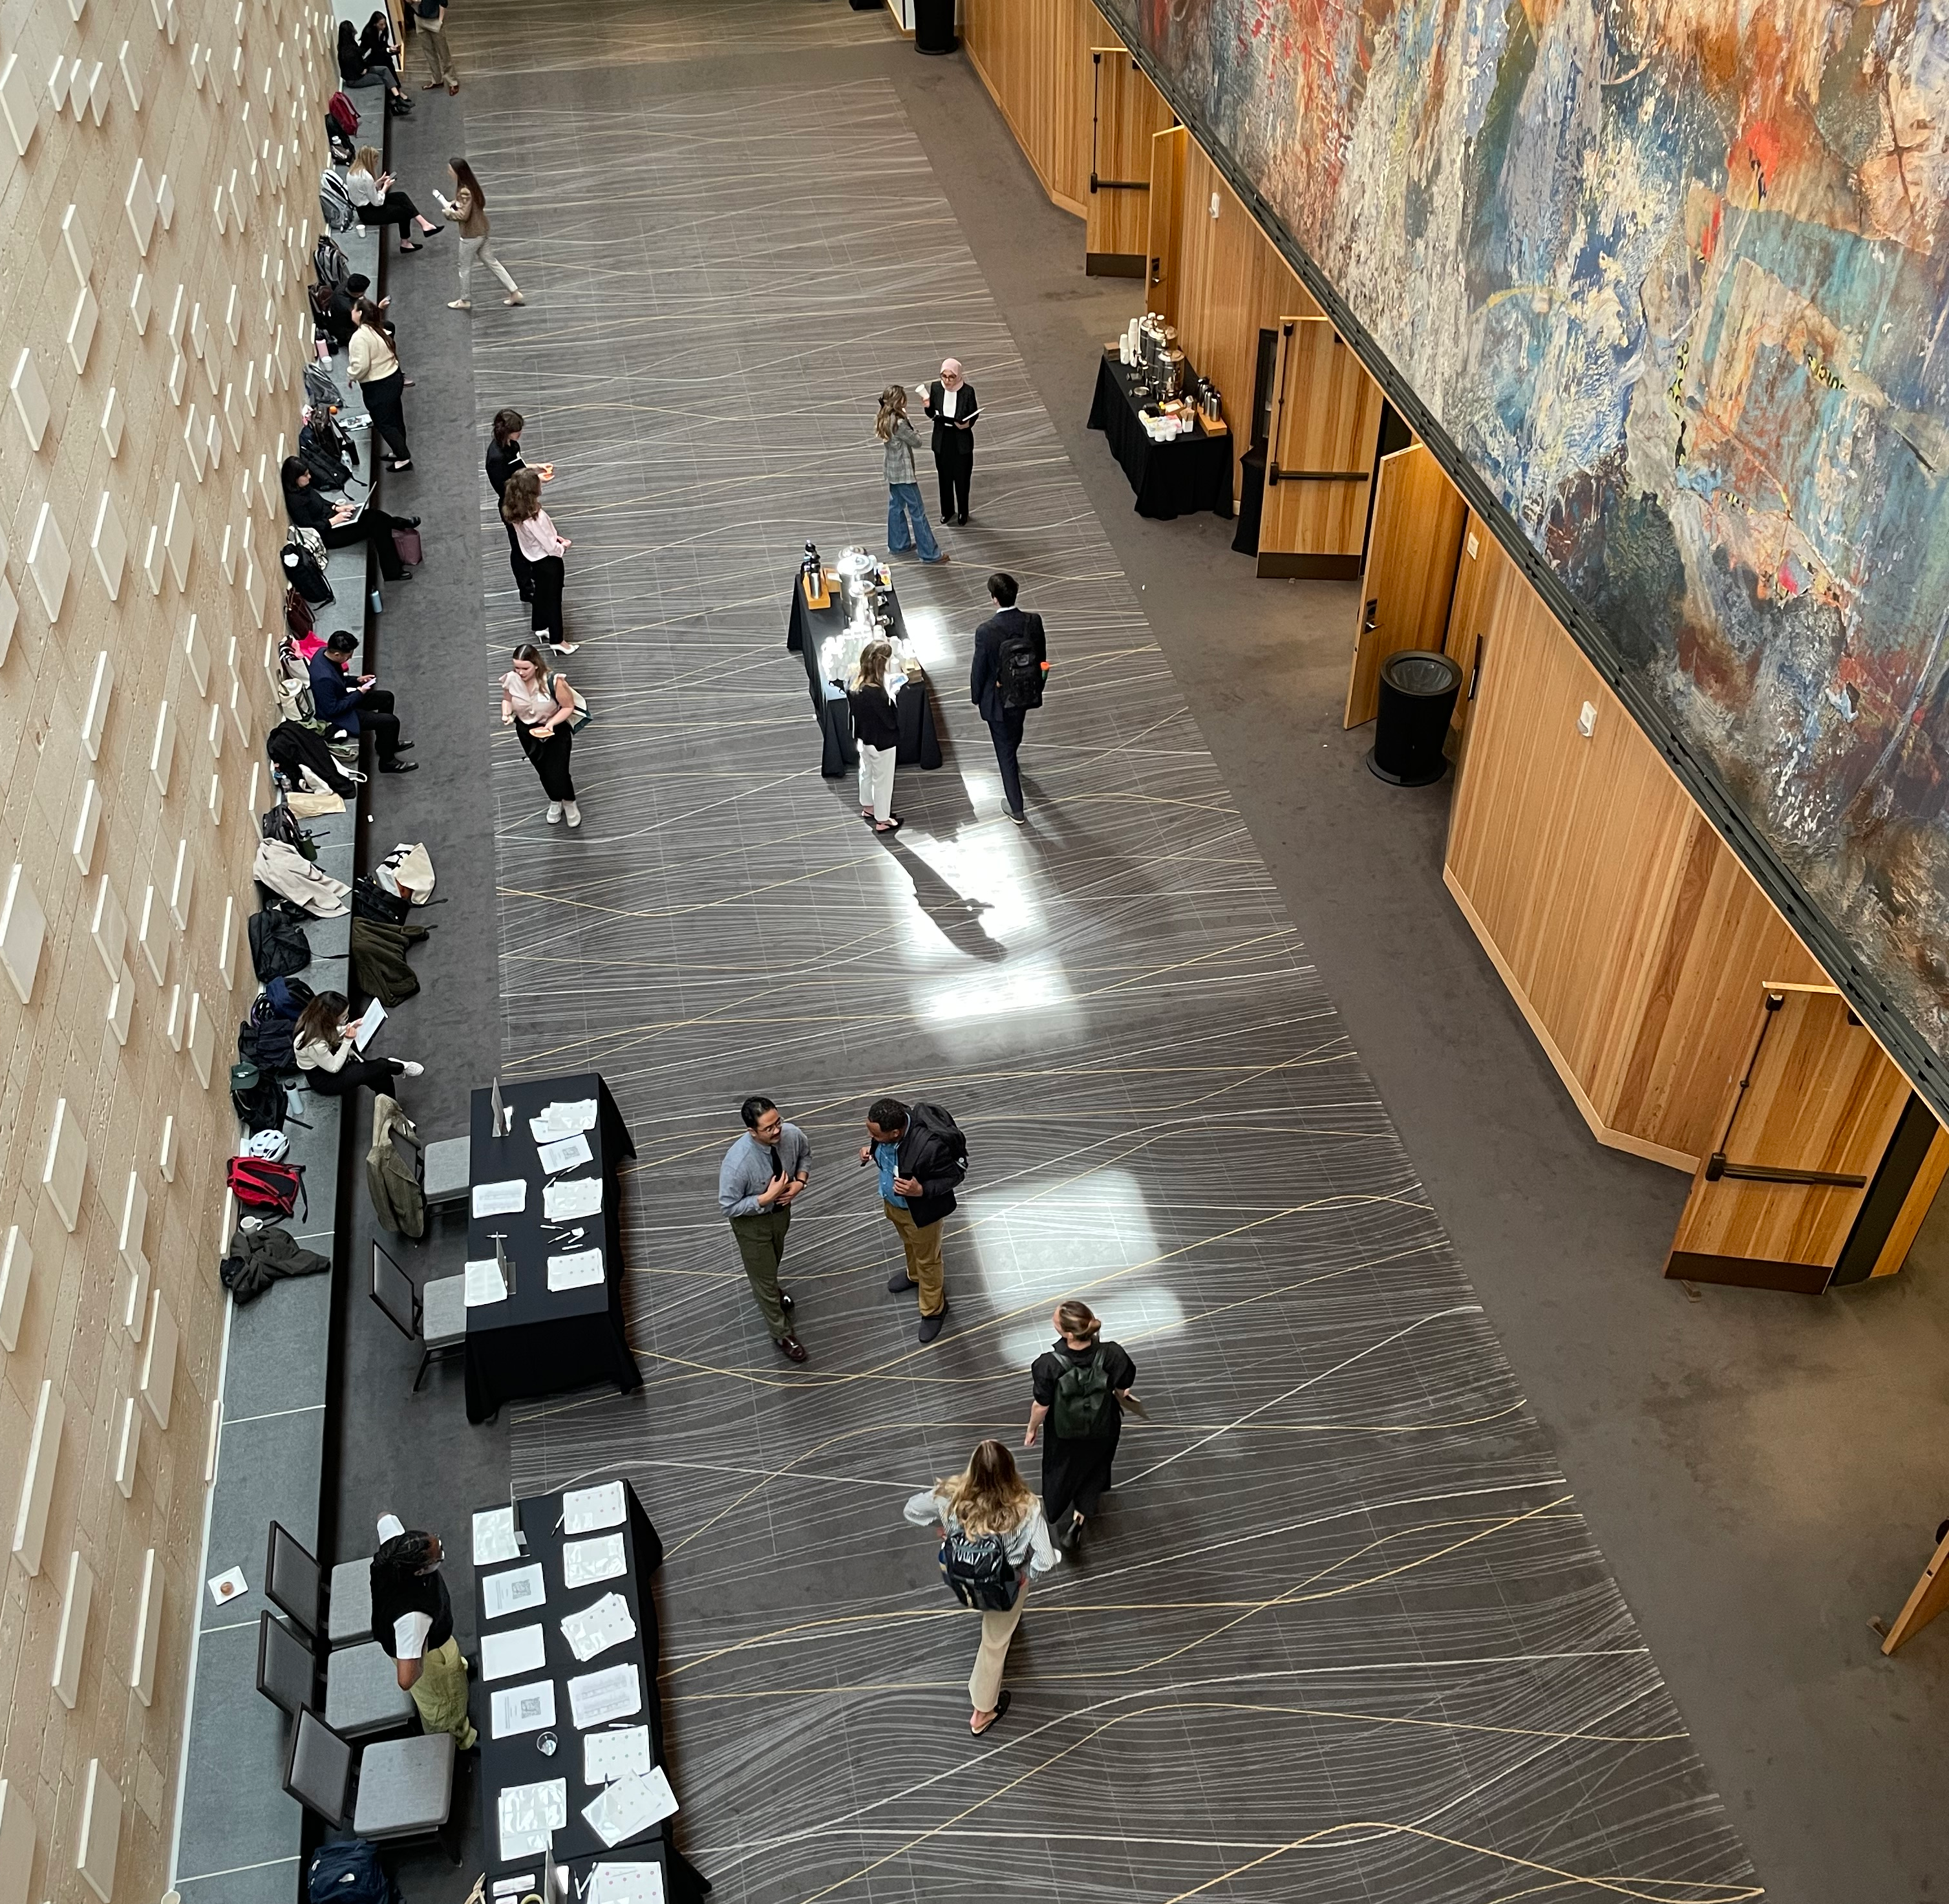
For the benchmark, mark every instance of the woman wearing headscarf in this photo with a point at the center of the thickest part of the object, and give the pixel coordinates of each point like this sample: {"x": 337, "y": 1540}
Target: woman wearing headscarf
{"x": 412, "y": 1620}
{"x": 341, "y": 525}
{"x": 950, "y": 404}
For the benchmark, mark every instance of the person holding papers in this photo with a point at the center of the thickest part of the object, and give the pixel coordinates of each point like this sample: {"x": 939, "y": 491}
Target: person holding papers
{"x": 763, "y": 1174}
{"x": 412, "y": 1620}
{"x": 949, "y": 403}
{"x": 325, "y": 1043}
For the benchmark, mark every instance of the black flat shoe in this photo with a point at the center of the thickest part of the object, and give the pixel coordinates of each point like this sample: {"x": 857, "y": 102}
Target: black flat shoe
{"x": 931, "y": 1326}
{"x": 1002, "y": 1704}
{"x": 411, "y": 522}
{"x": 903, "y": 1281}
{"x": 405, "y": 747}
{"x": 412, "y": 247}
{"x": 435, "y": 231}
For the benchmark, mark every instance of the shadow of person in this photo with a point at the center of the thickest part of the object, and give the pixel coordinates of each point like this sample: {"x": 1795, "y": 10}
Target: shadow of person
{"x": 957, "y": 917}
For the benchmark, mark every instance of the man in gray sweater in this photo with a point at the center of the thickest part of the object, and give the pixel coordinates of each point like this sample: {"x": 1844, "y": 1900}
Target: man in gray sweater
{"x": 761, "y": 1175}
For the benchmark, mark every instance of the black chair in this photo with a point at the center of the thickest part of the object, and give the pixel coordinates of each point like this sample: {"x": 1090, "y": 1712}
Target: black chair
{"x": 363, "y": 1696}
{"x": 403, "y": 1787}
{"x": 434, "y": 1316}
{"x": 295, "y": 1583}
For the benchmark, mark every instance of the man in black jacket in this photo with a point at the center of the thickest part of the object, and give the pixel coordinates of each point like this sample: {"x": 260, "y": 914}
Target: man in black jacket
{"x": 922, "y": 1156}
{"x": 1010, "y": 657}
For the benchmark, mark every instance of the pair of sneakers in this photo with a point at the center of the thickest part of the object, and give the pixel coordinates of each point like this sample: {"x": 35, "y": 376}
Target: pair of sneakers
{"x": 557, "y": 808}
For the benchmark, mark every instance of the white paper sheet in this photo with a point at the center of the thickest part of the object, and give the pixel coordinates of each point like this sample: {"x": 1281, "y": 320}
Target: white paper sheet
{"x": 606, "y": 1757}
{"x": 562, "y": 1202}
{"x": 484, "y": 1286}
{"x": 621, "y": 1884}
{"x": 523, "y": 1709}
{"x": 520, "y": 1882}
{"x": 567, "y": 1116}
{"x": 518, "y": 1590}
{"x": 374, "y": 1017}
{"x": 528, "y": 1813}
{"x": 575, "y": 1271}
{"x": 594, "y": 1629}
{"x": 494, "y": 1539}
{"x": 565, "y": 1154}
{"x": 583, "y": 1563}
{"x": 631, "y": 1806}
{"x": 521, "y": 1649}
{"x": 595, "y": 1698}
{"x": 504, "y": 1198}
{"x": 584, "y": 1509}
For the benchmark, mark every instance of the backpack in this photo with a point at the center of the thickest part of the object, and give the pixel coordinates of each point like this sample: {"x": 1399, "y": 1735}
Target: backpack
{"x": 268, "y": 1041}
{"x": 979, "y": 1571}
{"x": 334, "y": 203}
{"x": 319, "y": 391}
{"x": 280, "y": 822}
{"x": 259, "y": 1185}
{"x": 329, "y": 262}
{"x": 348, "y": 1872}
{"x": 288, "y": 997}
{"x": 1018, "y": 672}
{"x": 371, "y": 900}
{"x": 257, "y": 1098}
{"x": 278, "y": 944}
{"x": 342, "y": 113}
{"x": 1082, "y": 1397}
{"x": 307, "y": 577}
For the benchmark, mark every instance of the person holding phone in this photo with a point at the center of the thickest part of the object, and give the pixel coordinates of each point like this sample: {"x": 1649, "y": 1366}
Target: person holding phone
{"x": 357, "y": 705}
{"x": 325, "y": 1043}
{"x": 504, "y": 457}
{"x": 544, "y": 546}
{"x": 763, "y": 1174}
{"x": 468, "y": 208}
{"x": 950, "y": 403}
{"x": 539, "y": 704}
{"x": 371, "y": 187}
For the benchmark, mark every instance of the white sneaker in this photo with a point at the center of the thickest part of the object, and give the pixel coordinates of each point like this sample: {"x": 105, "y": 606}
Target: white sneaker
{"x": 575, "y": 813}
{"x": 554, "y": 813}
{"x": 414, "y": 1070}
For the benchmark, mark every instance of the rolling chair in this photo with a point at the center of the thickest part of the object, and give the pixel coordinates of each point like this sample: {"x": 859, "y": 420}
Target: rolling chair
{"x": 363, "y": 1696}
{"x": 394, "y": 1789}
{"x": 434, "y": 1316}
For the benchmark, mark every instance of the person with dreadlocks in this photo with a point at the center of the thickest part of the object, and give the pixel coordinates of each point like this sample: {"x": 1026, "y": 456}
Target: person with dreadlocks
{"x": 412, "y": 1619}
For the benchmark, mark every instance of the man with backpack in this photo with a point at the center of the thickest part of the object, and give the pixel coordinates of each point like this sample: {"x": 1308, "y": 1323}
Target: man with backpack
{"x": 921, "y": 1155}
{"x": 1011, "y": 660}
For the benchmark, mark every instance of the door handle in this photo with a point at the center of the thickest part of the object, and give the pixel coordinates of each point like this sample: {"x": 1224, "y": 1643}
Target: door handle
{"x": 1372, "y": 620}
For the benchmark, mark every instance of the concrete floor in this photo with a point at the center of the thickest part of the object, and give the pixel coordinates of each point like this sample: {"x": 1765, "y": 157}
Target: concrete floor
{"x": 1762, "y": 1470}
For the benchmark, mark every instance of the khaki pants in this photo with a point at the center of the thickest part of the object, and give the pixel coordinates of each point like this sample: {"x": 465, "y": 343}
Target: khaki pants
{"x": 984, "y": 1683}
{"x": 439, "y": 58}
{"x": 440, "y": 1692}
{"x": 761, "y": 1242}
{"x": 922, "y": 1245}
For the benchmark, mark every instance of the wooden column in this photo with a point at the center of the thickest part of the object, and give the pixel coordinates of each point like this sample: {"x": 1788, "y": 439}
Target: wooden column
{"x": 1033, "y": 57}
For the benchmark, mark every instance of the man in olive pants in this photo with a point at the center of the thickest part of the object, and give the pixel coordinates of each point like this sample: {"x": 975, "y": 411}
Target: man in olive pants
{"x": 762, "y": 1175}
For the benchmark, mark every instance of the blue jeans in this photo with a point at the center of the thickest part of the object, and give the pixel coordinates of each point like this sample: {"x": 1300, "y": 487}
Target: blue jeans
{"x": 905, "y": 507}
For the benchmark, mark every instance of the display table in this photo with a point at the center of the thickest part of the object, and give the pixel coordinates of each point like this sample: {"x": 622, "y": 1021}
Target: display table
{"x": 806, "y": 629}
{"x": 1178, "y": 477}
{"x": 519, "y": 1760}
{"x": 541, "y": 1341}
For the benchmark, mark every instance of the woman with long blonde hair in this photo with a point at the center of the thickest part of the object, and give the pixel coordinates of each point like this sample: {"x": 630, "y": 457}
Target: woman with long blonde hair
{"x": 907, "y": 525}
{"x": 371, "y": 187}
{"x": 876, "y": 728}
{"x": 994, "y": 1540}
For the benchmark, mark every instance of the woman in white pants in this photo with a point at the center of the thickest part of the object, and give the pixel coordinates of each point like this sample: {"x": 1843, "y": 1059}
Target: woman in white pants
{"x": 468, "y": 209}
{"x": 876, "y": 728}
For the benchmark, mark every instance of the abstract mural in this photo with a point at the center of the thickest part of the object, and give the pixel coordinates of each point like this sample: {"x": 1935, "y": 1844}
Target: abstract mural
{"x": 1671, "y": 275}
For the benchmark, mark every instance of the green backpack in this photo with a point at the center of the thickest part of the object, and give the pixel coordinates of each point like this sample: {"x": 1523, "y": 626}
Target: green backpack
{"x": 1082, "y": 1398}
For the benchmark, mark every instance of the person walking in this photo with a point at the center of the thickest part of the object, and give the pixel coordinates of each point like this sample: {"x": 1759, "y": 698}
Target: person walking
{"x": 430, "y": 19}
{"x": 412, "y": 1620}
{"x": 1011, "y": 660}
{"x": 541, "y": 705}
{"x": 994, "y": 1540}
{"x": 950, "y": 401}
{"x": 542, "y": 545}
{"x": 370, "y": 186}
{"x": 763, "y": 1174}
{"x": 921, "y": 1155}
{"x": 907, "y": 525}
{"x": 324, "y": 1041}
{"x": 504, "y": 457}
{"x": 468, "y": 208}
{"x": 356, "y": 72}
{"x": 356, "y": 707}
{"x": 877, "y": 730}
{"x": 339, "y": 524}
{"x": 1079, "y": 1385}
{"x": 372, "y": 364}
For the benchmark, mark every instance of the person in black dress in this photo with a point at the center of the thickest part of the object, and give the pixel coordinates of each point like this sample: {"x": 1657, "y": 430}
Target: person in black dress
{"x": 1080, "y": 1385}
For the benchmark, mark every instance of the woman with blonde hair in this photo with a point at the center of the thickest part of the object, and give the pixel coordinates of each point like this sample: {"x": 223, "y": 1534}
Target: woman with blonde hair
{"x": 876, "y": 728}
{"x": 1080, "y": 1386}
{"x": 537, "y": 538}
{"x": 907, "y": 525}
{"x": 371, "y": 187}
{"x": 993, "y": 1540}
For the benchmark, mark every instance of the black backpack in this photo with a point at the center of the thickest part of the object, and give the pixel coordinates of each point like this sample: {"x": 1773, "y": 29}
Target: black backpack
{"x": 279, "y": 945}
{"x": 1081, "y": 1397}
{"x": 257, "y": 1098}
{"x": 978, "y": 1571}
{"x": 370, "y": 900}
{"x": 279, "y": 823}
{"x": 348, "y": 1872}
{"x": 287, "y": 997}
{"x": 1018, "y": 669}
{"x": 266, "y": 1040}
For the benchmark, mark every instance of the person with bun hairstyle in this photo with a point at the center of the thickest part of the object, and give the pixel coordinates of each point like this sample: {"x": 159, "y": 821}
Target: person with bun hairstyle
{"x": 1080, "y": 1386}
{"x": 412, "y": 1620}
{"x": 990, "y": 1496}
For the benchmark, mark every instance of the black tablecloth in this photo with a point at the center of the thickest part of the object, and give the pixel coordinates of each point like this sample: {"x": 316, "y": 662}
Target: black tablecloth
{"x": 806, "y": 629}
{"x": 518, "y": 1760}
{"x": 543, "y": 1341}
{"x": 1179, "y": 477}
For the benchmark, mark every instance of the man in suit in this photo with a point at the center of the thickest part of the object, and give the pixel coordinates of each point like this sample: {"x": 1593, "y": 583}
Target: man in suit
{"x": 950, "y": 401}
{"x": 356, "y": 707}
{"x": 1011, "y": 658}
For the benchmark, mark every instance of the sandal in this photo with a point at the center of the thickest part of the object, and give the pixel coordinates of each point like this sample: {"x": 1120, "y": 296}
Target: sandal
{"x": 453, "y": 86}
{"x": 1002, "y": 1702}
{"x": 892, "y": 824}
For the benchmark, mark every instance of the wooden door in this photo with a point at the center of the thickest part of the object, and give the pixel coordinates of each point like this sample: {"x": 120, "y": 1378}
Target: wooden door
{"x": 1806, "y": 1128}
{"x": 1126, "y": 111}
{"x": 1409, "y": 584}
{"x": 1326, "y": 420}
{"x": 1164, "y": 219}
{"x": 1486, "y": 582}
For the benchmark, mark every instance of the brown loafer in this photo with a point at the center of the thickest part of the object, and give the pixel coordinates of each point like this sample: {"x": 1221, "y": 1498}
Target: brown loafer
{"x": 791, "y": 1349}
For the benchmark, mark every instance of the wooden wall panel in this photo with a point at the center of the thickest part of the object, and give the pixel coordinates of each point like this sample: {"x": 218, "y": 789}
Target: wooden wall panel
{"x": 1165, "y": 223}
{"x": 1033, "y": 57}
{"x": 1633, "y": 940}
{"x": 1327, "y": 421}
{"x": 1484, "y": 579}
{"x": 1127, "y": 112}
{"x": 1408, "y": 586}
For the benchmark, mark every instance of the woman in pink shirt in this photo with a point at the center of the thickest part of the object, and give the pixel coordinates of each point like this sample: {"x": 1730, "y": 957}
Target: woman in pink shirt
{"x": 521, "y": 507}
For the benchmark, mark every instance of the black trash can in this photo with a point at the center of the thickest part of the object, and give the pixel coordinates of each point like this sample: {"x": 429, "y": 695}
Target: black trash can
{"x": 1418, "y": 690}
{"x": 934, "y": 26}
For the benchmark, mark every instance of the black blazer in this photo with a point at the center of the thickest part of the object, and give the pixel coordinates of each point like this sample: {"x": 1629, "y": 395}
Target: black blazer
{"x": 984, "y": 685}
{"x": 875, "y": 722}
{"x": 949, "y": 439}
{"x": 503, "y": 459}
